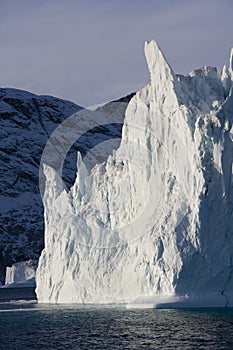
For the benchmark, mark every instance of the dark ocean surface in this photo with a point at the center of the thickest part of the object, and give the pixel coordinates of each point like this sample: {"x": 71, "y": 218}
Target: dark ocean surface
{"x": 27, "y": 325}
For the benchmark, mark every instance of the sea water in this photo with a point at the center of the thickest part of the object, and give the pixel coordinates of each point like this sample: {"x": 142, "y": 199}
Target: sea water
{"x": 32, "y": 326}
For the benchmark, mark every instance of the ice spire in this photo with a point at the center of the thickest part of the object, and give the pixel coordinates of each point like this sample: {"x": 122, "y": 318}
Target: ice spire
{"x": 231, "y": 64}
{"x": 165, "y": 86}
{"x": 82, "y": 185}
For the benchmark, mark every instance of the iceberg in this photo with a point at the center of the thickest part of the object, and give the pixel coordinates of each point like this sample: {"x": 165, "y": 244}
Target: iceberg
{"x": 21, "y": 274}
{"x": 153, "y": 224}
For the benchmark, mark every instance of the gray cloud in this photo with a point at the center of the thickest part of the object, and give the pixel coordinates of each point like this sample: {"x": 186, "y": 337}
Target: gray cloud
{"x": 91, "y": 51}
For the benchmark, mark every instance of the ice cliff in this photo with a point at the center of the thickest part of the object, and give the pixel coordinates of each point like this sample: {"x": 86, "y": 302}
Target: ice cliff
{"x": 156, "y": 219}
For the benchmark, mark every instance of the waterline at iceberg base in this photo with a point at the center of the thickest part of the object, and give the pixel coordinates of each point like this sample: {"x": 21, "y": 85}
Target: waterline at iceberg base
{"x": 154, "y": 224}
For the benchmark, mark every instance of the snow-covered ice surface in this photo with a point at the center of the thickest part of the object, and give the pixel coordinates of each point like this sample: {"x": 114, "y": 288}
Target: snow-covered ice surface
{"x": 153, "y": 224}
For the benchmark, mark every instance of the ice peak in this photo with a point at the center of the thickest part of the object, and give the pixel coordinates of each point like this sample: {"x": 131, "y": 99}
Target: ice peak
{"x": 227, "y": 74}
{"x": 82, "y": 170}
{"x": 231, "y": 62}
{"x": 157, "y": 63}
{"x": 54, "y": 183}
{"x": 165, "y": 86}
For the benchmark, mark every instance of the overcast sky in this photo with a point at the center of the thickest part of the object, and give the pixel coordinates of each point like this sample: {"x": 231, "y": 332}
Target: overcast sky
{"x": 91, "y": 51}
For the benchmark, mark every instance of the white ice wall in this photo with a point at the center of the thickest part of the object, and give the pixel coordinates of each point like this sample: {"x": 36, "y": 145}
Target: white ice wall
{"x": 156, "y": 218}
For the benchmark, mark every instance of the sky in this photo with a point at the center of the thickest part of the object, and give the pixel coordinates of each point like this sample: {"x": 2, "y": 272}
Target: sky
{"x": 91, "y": 51}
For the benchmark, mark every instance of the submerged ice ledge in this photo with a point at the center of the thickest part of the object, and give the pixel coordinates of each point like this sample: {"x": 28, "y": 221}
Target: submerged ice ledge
{"x": 156, "y": 219}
